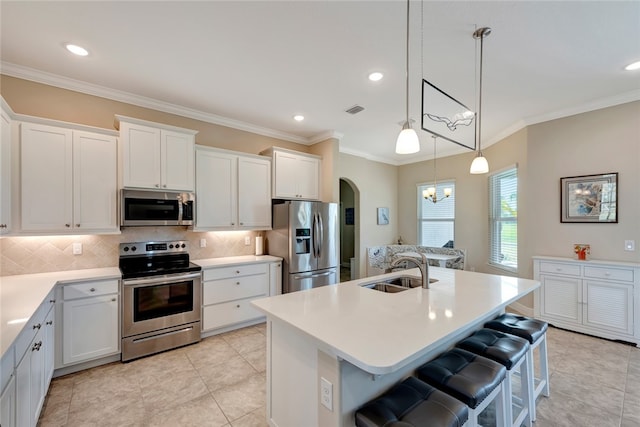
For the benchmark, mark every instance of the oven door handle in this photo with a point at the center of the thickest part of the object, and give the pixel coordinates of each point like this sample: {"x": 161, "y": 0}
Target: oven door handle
{"x": 160, "y": 281}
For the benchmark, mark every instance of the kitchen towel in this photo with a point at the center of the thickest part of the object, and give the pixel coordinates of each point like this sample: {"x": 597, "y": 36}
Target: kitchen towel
{"x": 259, "y": 245}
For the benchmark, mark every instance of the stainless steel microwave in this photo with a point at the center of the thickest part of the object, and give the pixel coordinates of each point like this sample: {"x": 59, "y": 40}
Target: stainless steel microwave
{"x": 153, "y": 208}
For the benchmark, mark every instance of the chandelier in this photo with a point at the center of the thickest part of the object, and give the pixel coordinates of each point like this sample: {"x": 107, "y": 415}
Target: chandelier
{"x": 431, "y": 192}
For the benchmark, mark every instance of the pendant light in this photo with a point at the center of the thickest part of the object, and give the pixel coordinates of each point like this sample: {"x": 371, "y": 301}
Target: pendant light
{"x": 480, "y": 164}
{"x": 407, "y": 142}
{"x": 431, "y": 192}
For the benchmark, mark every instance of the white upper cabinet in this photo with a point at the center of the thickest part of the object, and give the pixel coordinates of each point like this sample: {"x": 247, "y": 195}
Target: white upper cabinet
{"x": 295, "y": 175}
{"x": 5, "y": 173}
{"x": 156, "y": 156}
{"x": 68, "y": 180}
{"x": 233, "y": 190}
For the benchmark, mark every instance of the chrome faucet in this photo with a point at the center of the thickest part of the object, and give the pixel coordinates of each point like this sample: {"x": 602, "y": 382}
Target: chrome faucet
{"x": 422, "y": 265}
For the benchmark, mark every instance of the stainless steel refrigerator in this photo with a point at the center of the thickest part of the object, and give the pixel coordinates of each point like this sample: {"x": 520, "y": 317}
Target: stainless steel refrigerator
{"x": 305, "y": 235}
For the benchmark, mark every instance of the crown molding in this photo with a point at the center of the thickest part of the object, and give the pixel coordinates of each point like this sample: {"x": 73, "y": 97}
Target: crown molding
{"x": 324, "y": 136}
{"x": 50, "y": 79}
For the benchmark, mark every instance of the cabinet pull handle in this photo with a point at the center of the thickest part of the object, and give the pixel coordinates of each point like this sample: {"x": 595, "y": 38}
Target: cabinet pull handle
{"x": 78, "y": 225}
{"x": 67, "y": 225}
{"x": 52, "y": 301}
{"x": 233, "y": 223}
{"x": 242, "y": 223}
{"x": 113, "y": 299}
{"x": 37, "y": 326}
{"x": 36, "y": 346}
{"x": 164, "y": 186}
{"x": 3, "y": 225}
{"x": 92, "y": 290}
{"x": 50, "y": 322}
{"x": 157, "y": 185}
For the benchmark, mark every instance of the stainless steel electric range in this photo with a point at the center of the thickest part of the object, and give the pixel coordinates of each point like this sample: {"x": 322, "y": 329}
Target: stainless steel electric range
{"x": 160, "y": 297}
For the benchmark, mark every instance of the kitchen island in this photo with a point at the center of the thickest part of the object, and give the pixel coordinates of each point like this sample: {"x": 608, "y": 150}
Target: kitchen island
{"x": 358, "y": 342}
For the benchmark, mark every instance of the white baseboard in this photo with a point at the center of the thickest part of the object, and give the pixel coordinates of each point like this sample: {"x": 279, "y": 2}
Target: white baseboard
{"x": 522, "y": 309}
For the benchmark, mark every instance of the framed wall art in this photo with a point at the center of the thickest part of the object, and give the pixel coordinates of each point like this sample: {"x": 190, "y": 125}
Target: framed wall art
{"x": 446, "y": 117}
{"x": 383, "y": 216}
{"x": 589, "y": 198}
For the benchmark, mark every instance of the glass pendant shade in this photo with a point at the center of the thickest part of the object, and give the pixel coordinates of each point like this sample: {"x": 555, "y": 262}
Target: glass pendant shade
{"x": 479, "y": 165}
{"x": 407, "y": 142}
{"x": 447, "y": 192}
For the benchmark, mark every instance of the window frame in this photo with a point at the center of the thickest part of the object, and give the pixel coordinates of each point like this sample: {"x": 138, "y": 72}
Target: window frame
{"x": 495, "y": 205}
{"x": 441, "y": 185}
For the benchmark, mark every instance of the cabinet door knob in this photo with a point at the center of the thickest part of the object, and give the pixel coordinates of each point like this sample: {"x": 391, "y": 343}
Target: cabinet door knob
{"x": 233, "y": 223}
{"x": 92, "y": 290}
{"x": 237, "y": 283}
{"x": 77, "y": 225}
{"x": 157, "y": 185}
{"x": 237, "y": 271}
{"x": 242, "y": 223}
{"x": 50, "y": 322}
{"x": 164, "y": 186}
{"x": 237, "y": 305}
{"x": 113, "y": 299}
{"x": 67, "y": 225}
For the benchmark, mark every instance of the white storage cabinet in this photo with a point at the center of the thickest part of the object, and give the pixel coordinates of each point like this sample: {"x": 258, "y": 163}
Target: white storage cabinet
{"x": 34, "y": 349}
{"x": 229, "y": 290}
{"x": 5, "y": 171}
{"x": 68, "y": 180}
{"x": 90, "y": 321}
{"x": 296, "y": 175}
{"x": 233, "y": 191}
{"x": 156, "y": 156}
{"x": 595, "y": 297}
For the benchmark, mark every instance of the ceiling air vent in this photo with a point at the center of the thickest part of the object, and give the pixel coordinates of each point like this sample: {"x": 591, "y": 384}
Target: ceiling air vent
{"x": 354, "y": 110}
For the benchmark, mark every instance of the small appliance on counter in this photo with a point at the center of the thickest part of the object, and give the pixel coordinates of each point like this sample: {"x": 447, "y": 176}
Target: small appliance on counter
{"x": 305, "y": 235}
{"x": 160, "y": 297}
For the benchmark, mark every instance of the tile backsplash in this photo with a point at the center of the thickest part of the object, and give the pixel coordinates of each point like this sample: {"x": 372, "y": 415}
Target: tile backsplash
{"x": 26, "y": 255}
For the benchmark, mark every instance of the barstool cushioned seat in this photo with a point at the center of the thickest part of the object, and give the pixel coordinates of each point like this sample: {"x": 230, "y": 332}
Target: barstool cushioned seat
{"x": 520, "y": 326}
{"x": 412, "y": 403}
{"x": 467, "y": 377}
{"x": 495, "y": 345}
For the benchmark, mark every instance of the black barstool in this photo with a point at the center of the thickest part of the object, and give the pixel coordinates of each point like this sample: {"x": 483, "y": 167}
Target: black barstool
{"x": 474, "y": 380}
{"x": 511, "y": 352}
{"x": 412, "y": 403}
{"x": 534, "y": 331}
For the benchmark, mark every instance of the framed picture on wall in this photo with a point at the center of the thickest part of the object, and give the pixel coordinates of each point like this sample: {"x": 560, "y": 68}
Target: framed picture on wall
{"x": 589, "y": 198}
{"x": 383, "y": 216}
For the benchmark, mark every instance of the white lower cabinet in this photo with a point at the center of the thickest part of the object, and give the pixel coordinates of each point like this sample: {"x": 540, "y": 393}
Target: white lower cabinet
{"x": 228, "y": 292}
{"x": 90, "y": 321}
{"x": 33, "y": 371}
{"x": 593, "y": 297}
{"x": 8, "y": 404}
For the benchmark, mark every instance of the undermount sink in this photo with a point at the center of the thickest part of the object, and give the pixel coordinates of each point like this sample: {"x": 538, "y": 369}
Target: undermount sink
{"x": 396, "y": 284}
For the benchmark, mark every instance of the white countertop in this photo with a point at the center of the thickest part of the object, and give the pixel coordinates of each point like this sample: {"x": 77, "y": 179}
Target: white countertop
{"x": 20, "y": 296}
{"x": 379, "y": 332}
{"x": 235, "y": 260}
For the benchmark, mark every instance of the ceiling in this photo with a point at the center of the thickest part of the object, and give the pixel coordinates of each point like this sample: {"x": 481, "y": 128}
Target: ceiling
{"x": 253, "y": 65}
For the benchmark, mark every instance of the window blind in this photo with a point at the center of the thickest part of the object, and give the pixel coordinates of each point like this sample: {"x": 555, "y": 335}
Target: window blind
{"x": 503, "y": 219}
{"x": 436, "y": 221}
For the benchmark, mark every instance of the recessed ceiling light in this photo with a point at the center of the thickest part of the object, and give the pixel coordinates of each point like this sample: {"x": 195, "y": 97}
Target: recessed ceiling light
{"x": 298, "y": 117}
{"x": 633, "y": 66}
{"x": 376, "y": 76}
{"x": 76, "y": 50}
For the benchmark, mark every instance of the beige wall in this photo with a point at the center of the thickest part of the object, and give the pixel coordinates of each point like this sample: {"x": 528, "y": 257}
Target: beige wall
{"x": 329, "y": 180}
{"x": 375, "y": 185}
{"x": 35, "y": 99}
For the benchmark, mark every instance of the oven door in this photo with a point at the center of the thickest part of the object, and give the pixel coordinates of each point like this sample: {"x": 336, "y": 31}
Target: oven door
{"x": 160, "y": 302}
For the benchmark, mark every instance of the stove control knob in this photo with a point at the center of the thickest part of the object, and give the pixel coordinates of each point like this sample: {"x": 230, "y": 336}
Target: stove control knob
{"x": 126, "y": 249}
{"x": 133, "y": 248}
{"x": 184, "y": 246}
{"x": 171, "y": 246}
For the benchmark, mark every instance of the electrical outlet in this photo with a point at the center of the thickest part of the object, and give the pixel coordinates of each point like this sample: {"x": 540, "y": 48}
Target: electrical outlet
{"x": 77, "y": 248}
{"x": 203, "y": 243}
{"x": 630, "y": 245}
{"x": 326, "y": 393}
{"x": 247, "y": 240}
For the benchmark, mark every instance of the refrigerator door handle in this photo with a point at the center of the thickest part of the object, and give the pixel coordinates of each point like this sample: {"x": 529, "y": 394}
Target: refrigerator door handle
{"x": 316, "y": 235}
{"x": 308, "y": 275}
{"x": 321, "y": 238}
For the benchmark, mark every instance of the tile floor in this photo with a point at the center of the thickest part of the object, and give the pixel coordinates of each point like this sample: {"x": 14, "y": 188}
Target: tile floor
{"x": 221, "y": 382}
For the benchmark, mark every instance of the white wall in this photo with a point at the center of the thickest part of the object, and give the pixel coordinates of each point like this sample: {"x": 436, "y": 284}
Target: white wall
{"x": 376, "y": 186}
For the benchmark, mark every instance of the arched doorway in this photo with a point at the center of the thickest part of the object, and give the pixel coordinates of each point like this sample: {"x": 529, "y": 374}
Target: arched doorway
{"x": 349, "y": 231}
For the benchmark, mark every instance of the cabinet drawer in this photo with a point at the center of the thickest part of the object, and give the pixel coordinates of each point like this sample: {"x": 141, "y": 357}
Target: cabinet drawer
{"x": 607, "y": 273}
{"x": 32, "y": 327}
{"x": 222, "y": 290}
{"x": 228, "y": 313}
{"x": 559, "y": 268}
{"x": 234, "y": 271}
{"x": 90, "y": 289}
